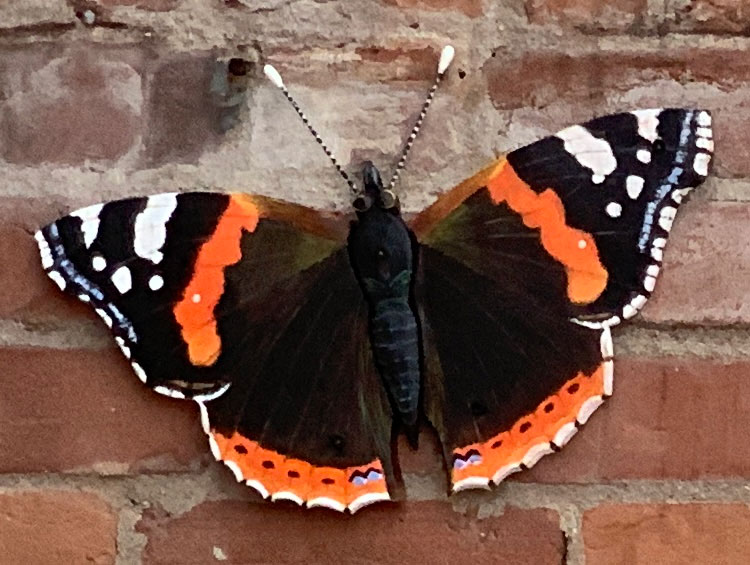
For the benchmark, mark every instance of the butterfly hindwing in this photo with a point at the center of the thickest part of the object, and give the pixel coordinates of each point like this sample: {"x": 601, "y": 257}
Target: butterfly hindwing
{"x": 248, "y": 306}
{"x": 526, "y": 265}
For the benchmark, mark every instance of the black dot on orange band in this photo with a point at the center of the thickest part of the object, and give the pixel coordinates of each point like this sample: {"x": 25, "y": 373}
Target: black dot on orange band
{"x": 524, "y": 427}
{"x": 496, "y": 444}
{"x": 572, "y": 389}
{"x": 293, "y": 474}
{"x": 327, "y": 481}
{"x": 268, "y": 465}
{"x": 549, "y": 407}
{"x": 240, "y": 449}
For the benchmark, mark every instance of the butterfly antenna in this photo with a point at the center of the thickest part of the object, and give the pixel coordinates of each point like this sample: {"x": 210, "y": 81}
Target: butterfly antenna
{"x": 446, "y": 56}
{"x": 273, "y": 75}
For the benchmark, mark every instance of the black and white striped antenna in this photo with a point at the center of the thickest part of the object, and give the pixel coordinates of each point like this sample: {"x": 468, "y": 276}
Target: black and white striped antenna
{"x": 273, "y": 75}
{"x": 446, "y": 57}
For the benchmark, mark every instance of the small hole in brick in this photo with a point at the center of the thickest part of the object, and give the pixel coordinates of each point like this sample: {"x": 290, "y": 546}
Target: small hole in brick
{"x": 237, "y": 67}
{"x": 461, "y": 73}
{"x": 496, "y": 444}
{"x": 268, "y": 465}
{"x": 415, "y": 25}
{"x": 572, "y": 389}
{"x": 549, "y": 407}
{"x": 240, "y": 449}
{"x": 293, "y": 474}
{"x": 525, "y": 427}
{"x": 327, "y": 481}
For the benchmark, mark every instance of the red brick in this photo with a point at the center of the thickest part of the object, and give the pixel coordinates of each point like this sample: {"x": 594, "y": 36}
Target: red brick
{"x": 185, "y": 117}
{"x": 562, "y": 77}
{"x": 713, "y": 16}
{"x": 639, "y": 534}
{"x": 706, "y": 267}
{"x": 28, "y": 293}
{"x": 472, "y": 8}
{"x": 416, "y": 532}
{"x": 668, "y": 419}
{"x": 53, "y": 527}
{"x": 72, "y": 410}
{"x": 81, "y": 104}
{"x": 592, "y": 14}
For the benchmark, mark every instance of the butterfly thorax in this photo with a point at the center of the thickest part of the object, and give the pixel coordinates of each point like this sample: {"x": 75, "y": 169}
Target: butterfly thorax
{"x": 380, "y": 250}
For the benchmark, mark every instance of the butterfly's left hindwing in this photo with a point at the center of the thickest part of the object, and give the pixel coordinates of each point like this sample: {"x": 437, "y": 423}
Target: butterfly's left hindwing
{"x": 524, "y": 268}
{"x": 250, "y": 307}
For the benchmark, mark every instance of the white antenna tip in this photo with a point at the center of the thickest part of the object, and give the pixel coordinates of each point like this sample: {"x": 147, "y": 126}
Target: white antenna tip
{"x": 446, "y": 56}
{"x": 273, "y": 75}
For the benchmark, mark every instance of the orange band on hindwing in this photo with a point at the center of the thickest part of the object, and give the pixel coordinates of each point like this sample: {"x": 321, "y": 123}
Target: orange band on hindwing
{"x": 195, "y": 311}
{"x": 575, "y": 249}
{"x": 286, "y": 478}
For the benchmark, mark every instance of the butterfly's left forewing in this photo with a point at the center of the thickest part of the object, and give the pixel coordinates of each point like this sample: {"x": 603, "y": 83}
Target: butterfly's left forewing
{"x": 248, "y": 306}
{"x": 526, "y": 266}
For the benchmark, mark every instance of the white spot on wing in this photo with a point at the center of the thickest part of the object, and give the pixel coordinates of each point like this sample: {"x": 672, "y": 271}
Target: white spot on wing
{"x": 140, "y": 373}
{"x": 591, "y": 152}
{"x": 643, "y": 155}
{"x": 89, "y": 217}
{"x": 634, "y": 186}
{"x": 666, "y": 217}
{"x": 122, "y": 279}
{"x": 588, "y": 408}
{"x": 648, "y": 122}
{"x": 700, "y": 163}
{"x": 58, "y": 279}
{"x": 235, "y": 469}
{"x": 149, "y": 230}
{"x": 704, "y": 119}
{"x": 155, "y": 282}
{"x": 367, "y": 499}
{"x": 614, "y": 209}
{"x": 706, "y": 144}
{"x": 98, "y": 263}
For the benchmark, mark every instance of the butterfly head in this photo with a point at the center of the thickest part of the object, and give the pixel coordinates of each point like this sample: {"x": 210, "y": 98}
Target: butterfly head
{"x": 374, "y": 193}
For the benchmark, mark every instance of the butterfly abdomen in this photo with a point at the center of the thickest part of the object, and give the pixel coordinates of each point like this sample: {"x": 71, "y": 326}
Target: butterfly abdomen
{"x": 395, "y": 346}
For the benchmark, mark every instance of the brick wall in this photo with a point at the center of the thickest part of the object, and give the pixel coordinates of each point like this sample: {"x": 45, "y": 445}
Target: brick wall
{"x": 141, "y": 99}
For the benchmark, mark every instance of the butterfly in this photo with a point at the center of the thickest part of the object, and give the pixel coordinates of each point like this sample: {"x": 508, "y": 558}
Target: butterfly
{"x": 310, "y": 339}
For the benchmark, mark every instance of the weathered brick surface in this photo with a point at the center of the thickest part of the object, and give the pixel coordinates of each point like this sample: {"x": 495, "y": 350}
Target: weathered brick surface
{"x": 667, "y": 419}
{"x": 155, "y": 5}
{"x": 706, "y": 268}
{"x": 186, "y": 108}
{"x": 415, "y": 532}
{"x": 53, "y": 527}
{"x": 67, "y": 410}
{"x": 28, "y": 293}
{"x": 714, "y": 16}
{"x": 592, "y": 14}
{"x": 667, "y": 534}
{"x": 472, "y": 8}
{"x": 55, "y": 103}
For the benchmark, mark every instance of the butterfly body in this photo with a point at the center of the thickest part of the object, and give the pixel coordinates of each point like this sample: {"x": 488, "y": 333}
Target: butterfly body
{"x": 383, "y": 253}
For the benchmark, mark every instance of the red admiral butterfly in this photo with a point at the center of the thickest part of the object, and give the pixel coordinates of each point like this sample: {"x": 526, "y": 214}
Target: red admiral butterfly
{"x": 307, "y": 338}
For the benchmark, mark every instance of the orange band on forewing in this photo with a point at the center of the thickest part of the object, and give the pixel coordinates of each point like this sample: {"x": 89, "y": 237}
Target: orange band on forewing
{"x": 575, "y": 249}
{"x": 195, "y": 311}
